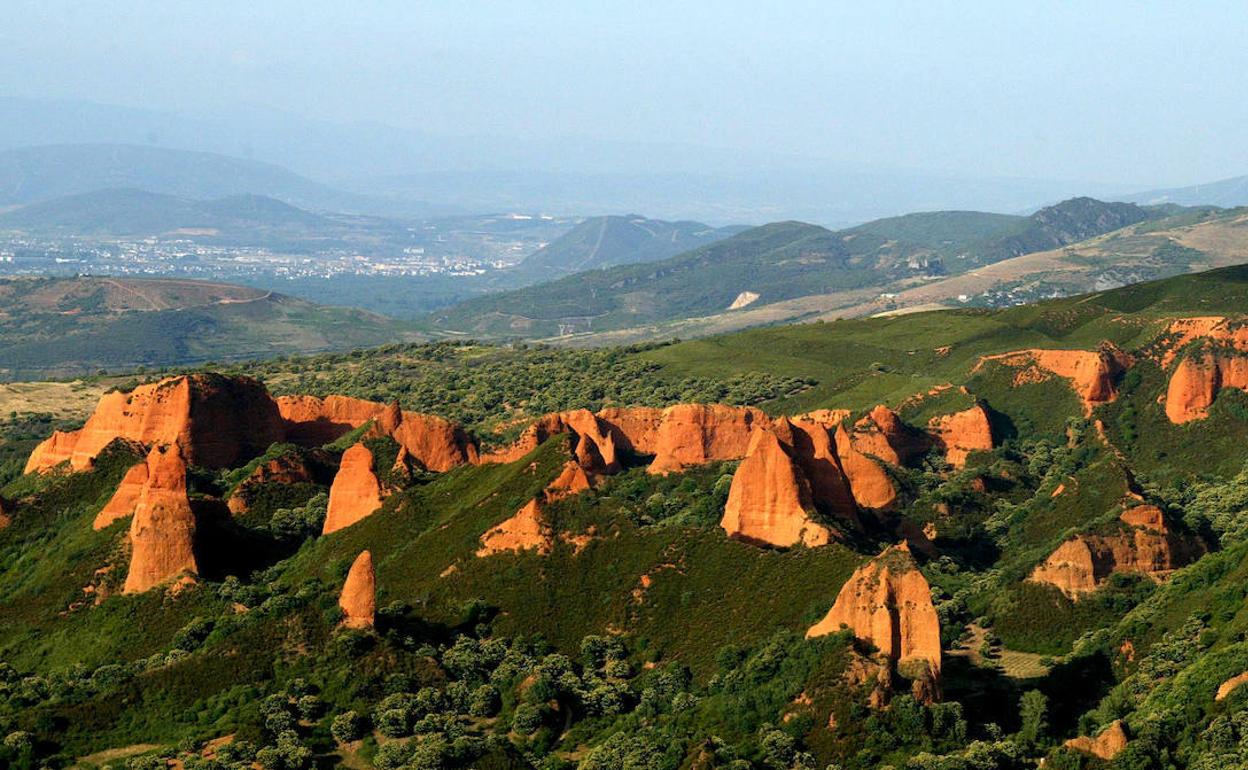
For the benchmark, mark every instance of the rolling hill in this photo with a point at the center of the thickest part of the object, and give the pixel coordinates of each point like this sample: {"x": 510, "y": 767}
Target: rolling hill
{"x": 58, "y": 327}
{"x": 980, "y": 538}
{"x": 607, "y": 241}
{"x": 781, "y": 262}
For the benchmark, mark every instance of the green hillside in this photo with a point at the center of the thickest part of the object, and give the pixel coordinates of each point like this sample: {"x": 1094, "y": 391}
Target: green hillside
{"x": 640, "y": 635}
{"x": 74, "y": 326}
{"x": 779, "y": 262}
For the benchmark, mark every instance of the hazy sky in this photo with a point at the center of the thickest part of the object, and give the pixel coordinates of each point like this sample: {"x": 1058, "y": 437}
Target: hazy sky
{"x": 1137, "y": 93}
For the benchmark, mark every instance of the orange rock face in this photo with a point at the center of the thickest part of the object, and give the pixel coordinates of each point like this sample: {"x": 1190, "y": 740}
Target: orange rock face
{"x": 218, "y": 422}
{"x": 162, "y": 532}
{"x": 770, "y": 501}
{"x": 1107, "y": 745}
{"x": 356, "y": 491}
{"x": 694, "y": 434}
{"x": 962, "y": 433}
{"x": 1083, "y": 563}
{"x": 6, "y": 513}
{"x": 882, "y": 434}
{"x": 359, "y": 593}
{"x": 1092, "y": 373}
{"x": 888, "y": 603}
{"x": 522, "y": 532}
{"x": 871, "y": 486}
{"x": 125, "y": 499}
{"x": 1196, "y": 381}
{"x": 436, "y": 444}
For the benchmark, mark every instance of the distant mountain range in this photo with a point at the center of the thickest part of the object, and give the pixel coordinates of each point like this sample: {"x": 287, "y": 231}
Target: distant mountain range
{"x": 399, "y": 171}
{"x": 781, "y": 262}
{"x": 138, "y": 212}
{"x": 34, "y": 174}
{"x": 1226, "y": 193}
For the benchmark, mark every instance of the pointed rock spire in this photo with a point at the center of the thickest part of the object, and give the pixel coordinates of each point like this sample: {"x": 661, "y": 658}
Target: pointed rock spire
{"x": 359, "y": 593}
{"x": 769, "y": 501}
{"x": 356, "y": 491}
{"x": 162, "y": 532}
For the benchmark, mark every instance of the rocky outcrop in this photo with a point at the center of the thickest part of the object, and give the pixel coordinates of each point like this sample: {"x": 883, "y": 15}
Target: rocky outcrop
{"x": 524, "y": 531}
{"x": 882, "y": 434}
{"x": 125, "y": 499}
{"x": 6, "y": 513}
{"x": 770, "y": 501}
{"x": 695, "y": 434}
{"x": 871, "y": 485}
{"x": 1106, "y": 745}
{"x": 312, "y": 421}
{"x": 816, "y": 454}
{"x": 290, "y": 468}
{"x": 1146, "y": 545}
{"x": 162, "y": 532}
{"x": 432, "y": 442}
{"x": 1093, "y": 374}
{"x": 358, "y": 599}
{"x": 1229, "y": 334}
{"x": 1196, "y": 381}
{"x": 593, "y": 441}
{"x": 887, "y": 602}
{"x": 962, "y": 433}
{"x": 356, "y": 491}
{"x": 438, "y": 445}
{"x": 218, "y": 421}
{"x": 676, "y": 438}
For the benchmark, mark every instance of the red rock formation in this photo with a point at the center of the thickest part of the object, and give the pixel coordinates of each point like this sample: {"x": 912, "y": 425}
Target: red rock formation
{"x": 1107, "y": 745}
{"x": 962, "y": 433}
{"x": 1196, "y": 381}
{"x": 883, "y": 435}
{"x": 871, "y": 486}
{"x": 125, "y": 499}
{"x": 1226, "y": 333}
{"x": 218, "y": 421}
{"x": 888, "y": 603}
{"x": 817, "y": 456}
{"x": 770, "y": 501}
{"x": 1147, "y": 546}
{"x": 634, "y": 429}
{"x": 6, "y": 513}
{"x": 572, "y": 480}
{"x": 694, "y": 434}
{"x": 1092, "y": 373}
{"x": 436, "y": 444}
{"x": 359, "y": 593}
{"x": 356, "y": 491}
{"x": 312, "y": 421}
{"x": 162, "y": 532}
{"x": 522, "y": 532}
{"x": 286, "y": 469}
{"x": 593, "y": 442}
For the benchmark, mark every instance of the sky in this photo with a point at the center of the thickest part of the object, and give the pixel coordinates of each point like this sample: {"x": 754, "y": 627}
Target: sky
{"x": 1138, "y": 94}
